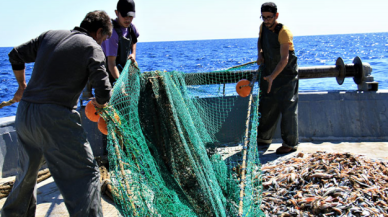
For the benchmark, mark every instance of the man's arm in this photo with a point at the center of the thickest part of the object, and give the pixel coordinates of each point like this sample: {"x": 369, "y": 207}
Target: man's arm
{"x": 134, "y": 34}
{"x": 112, "y": 67}
{"x": 20, "y": 76}
{"x": 24, "y": 53}
{"x": 110, "y": 47}
{"x": 260, "y": 58}
{"x": 284, "y": 54}
{"x": 99, "y": 77}
{"x": 132, "y": 56}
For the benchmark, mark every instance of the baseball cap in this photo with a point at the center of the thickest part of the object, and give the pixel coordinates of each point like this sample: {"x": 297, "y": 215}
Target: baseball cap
{"x": 269, "y": 7}
{"x": 126, "y": 8}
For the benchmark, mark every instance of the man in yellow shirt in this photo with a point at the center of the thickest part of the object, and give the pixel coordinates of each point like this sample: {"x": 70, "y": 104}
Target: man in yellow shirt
{"x": 279, "y": 82}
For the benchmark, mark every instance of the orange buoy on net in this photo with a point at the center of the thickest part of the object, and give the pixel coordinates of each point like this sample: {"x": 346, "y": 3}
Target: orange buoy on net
{"x": 242, "y": 88}
{"x": 102, "y": 126}
{"x": 91, "y": 112}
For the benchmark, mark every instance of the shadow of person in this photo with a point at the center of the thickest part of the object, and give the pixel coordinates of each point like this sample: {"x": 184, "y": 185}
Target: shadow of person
{"x": 48, "y": 193}
{"x": 267, "y": 153}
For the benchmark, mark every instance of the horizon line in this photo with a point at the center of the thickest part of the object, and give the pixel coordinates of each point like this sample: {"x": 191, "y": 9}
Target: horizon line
{"x": 204, "y": 39}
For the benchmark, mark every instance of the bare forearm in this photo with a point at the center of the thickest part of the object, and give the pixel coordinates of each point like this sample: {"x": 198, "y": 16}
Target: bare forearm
{"x": 112, "y": 67}
{"x": 279, "y": 67}
{"x": 260, "y": 58}
{"x": 258, "y": 47}
{"x": 20, "y": 76}
{"x": 134, "y": 51}
{"x": 284, "y": 54}
{"x": 114, "y": 71}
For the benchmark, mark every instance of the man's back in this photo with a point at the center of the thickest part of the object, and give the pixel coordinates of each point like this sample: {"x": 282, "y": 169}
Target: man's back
{"x": 63, "y": 62}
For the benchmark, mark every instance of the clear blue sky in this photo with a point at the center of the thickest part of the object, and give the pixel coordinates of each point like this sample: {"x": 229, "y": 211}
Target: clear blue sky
{"x": 172, "y": 20}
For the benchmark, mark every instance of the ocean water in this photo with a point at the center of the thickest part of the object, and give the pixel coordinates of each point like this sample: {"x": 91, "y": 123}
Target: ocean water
{"x": 213, "y": 55}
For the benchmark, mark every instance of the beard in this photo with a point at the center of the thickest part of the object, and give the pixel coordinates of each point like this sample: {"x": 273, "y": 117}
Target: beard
{"x": 269, "y": 25}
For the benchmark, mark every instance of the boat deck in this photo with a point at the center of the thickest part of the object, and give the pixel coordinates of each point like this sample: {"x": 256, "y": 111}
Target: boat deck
{"x": 50, "y": 201}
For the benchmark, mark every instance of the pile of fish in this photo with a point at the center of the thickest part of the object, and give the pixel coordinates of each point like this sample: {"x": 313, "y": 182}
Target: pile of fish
{"x": 325, "y": 184}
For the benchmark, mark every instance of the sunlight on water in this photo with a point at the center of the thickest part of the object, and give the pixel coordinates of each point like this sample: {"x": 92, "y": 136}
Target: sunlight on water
{"x": 213, "y": 55}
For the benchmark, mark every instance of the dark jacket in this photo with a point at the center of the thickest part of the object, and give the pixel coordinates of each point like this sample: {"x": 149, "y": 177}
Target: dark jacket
{"x": 64, "y": 61}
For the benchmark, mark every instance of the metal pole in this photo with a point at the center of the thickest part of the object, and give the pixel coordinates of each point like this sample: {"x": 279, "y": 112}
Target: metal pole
{"x": 361, "y": 73}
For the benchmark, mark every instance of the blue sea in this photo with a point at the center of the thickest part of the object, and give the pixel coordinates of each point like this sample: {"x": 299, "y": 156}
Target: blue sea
{"x": 213, "y": 55}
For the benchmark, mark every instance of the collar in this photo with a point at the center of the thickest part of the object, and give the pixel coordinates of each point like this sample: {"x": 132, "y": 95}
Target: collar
{"x": 82, "y": 30}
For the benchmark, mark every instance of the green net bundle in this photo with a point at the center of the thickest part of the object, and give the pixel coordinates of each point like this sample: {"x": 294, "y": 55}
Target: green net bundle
{"x": 164, "y": 154}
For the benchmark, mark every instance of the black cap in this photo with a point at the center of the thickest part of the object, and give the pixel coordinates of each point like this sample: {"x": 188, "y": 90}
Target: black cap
{"x": 269, "y": 7}
{"x": 126, "y": 8}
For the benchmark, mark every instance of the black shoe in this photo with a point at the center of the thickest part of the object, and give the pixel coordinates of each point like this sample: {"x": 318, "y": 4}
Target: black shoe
{"x": 285, "y": 150}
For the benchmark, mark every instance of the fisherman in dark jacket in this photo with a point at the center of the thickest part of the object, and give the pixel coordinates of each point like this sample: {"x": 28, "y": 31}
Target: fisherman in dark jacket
{"x": 47, "y": 124}
{"x": 279, "y": 83}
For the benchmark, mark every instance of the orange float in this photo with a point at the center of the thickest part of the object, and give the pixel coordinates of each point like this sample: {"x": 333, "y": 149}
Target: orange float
{"x": 91, "y": 113}
{"x": 102, "y": 126}
{"x": 242, "y": 88}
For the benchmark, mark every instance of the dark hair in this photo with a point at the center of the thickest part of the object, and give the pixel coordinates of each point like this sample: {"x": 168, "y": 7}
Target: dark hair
{"x": 269, "y": 7}
{"x": 95, "y": 20}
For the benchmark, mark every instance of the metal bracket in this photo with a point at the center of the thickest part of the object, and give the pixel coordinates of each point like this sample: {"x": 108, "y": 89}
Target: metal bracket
{"x": 342, "y": 70}
{"x": 359, "y": 77}
{"x": 362, "y": 77}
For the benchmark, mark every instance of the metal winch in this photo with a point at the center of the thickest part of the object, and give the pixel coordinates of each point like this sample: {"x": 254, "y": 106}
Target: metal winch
{"x": 361, "y": 73}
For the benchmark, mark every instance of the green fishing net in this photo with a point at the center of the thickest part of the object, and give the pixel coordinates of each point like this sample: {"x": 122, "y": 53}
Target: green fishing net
{"x": 165, "y": 155}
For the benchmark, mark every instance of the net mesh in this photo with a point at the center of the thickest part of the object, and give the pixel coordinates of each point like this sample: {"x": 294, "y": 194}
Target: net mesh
{"x": 165, "y": 156}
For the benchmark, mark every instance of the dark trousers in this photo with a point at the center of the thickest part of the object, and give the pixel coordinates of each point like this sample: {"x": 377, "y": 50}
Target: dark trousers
{"x": 282, "y": 101}
{"x": 54, "y": 133}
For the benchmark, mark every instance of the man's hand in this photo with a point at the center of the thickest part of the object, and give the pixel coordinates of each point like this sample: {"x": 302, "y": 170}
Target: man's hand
{"x": 19, "y": 93}
{"x": 96, "y": 104}
{"x": 269, "y": 79}
{"x": 132, "y": 57}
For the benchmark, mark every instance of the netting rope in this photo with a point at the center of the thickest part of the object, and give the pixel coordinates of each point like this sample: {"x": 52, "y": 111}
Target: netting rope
{"x": 165, "y": 156}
